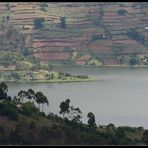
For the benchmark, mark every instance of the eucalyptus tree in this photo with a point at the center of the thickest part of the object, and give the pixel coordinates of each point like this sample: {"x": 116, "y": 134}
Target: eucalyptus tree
{"x": 30, "y": 94}
{"x": 3, "y": 91}
{"x": 64, "y": 106}
{"x": 4, "y": 87}
{"x": 91, "y": 121}
{"x": 41, "y": 99}
{"x": 75, "y": 114}
{"x": 22, "y": 94}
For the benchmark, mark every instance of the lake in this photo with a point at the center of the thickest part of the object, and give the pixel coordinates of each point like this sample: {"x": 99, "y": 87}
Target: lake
{"x": 119, "y": 97}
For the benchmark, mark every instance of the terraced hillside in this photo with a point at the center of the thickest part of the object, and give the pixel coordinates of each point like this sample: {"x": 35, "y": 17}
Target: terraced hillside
{"x": 77, "y": 33}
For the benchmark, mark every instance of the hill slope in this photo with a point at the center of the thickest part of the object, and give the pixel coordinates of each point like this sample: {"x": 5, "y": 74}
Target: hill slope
{"x": 77, "y": 33}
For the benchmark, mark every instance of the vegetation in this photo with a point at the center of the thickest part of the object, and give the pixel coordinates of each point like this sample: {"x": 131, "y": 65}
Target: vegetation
{"x": 42, "y": 76}
{"x": 38, "y": 23}
{"x": 63, "y": 22}
{"x": 42, "y": 5}
{"x": 75, "y": 28}
{"x": 122, "y": 12}
{"x": 27, "y": 125}
{"x": 136, "y": 35}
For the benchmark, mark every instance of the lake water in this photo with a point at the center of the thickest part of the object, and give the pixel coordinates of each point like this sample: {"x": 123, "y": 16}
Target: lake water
{"x": 119, "y": 97}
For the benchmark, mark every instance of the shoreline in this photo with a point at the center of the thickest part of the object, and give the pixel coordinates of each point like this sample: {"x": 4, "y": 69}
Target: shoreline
{"x": 54, "y": 81}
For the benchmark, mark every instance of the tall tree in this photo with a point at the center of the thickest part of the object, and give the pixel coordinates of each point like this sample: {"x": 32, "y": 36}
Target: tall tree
{"x": 75, "y": 114}
{"x": 3, "y": 91}
{"x": 64, "y": 106}
{"x": 91, "y": 121}
{"x": 4, "y": 87}
{"x": 22, "y": 94}
{"x": 41, "y": 99}
{"x": 44, "y": 101}
{"x": 30, "y": 94}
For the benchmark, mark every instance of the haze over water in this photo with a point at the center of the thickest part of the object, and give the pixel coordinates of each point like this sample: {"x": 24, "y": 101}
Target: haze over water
{"x": 119, "y": 97}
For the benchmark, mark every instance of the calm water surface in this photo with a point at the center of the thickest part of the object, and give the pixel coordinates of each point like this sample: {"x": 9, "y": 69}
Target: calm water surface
{"x": 119, "y": 97}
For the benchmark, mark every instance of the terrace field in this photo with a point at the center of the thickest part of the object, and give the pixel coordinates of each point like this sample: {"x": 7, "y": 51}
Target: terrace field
{"x": 93, "y": 31}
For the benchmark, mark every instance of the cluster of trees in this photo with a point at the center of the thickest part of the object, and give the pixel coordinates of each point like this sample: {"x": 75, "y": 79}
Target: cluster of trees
{"x": 133, "y": 59}
{"x": 39, "y": 22}
{"x": 122, "y": 12}
{"x": 39, "y": 97}
{"x": 67, "y": 130}
{"x": 74, "y": 114}
{"x": 64, "y": 75}
{"x": 133, "y": 33}
{"x": 98, "y": 37}
{"x": 42, "y": 5}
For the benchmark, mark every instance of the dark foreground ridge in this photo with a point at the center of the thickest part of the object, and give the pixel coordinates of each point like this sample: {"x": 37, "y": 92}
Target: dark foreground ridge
{"x": 23, "y": 123}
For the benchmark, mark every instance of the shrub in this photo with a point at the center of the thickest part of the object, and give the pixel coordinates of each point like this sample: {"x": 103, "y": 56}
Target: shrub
{"x": 38, "y": 23}
{"x": 29, "y": 109}
{"x": 32, "y": 125}
{"x": 63, "y": 22}
{"x": 122, "y": 12}
{"x": 2, "y": 135}
{"x": 9, "y": 109}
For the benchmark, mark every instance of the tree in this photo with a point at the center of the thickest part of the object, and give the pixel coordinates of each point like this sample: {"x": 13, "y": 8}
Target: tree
{"x": 75, "y": 114}
{"x": 15, "y": 75}
{"x": 63, "y": 22}
{"x": 133, "y": 60}
{"x": 22, "y": 94}
{"x": 121, "y": 12}
{"x": 30, "y": 94}
{"x": 134, "y": 34}
{"x": 4, "y": 87}
{"x": 38, "y": 23}
{"x": 64, "y": 106}
{"x": 43, "y": 5}
{"x": 91, "y": 121}
{"x": 3, "y": 91}
{"x": 41, "y": 99}
{"x": 44, "y": 101}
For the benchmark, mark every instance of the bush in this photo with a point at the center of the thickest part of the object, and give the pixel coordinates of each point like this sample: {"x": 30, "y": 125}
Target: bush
{"x": 38, "y": 23}
{"x": 145, "y": 137}
{"x": 133, "y": 61}
{"x": 122, "y": 12}
{"x": 29, "y": 109}
{"x": 9, "y": 109}
{"x": 32, "y": 125}
{"x": 2, "y": 135}
{"x": 63, "y": 22}
{"x": 134, "y": 34}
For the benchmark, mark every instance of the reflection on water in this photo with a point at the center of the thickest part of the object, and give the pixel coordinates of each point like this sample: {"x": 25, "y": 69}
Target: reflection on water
{"x": 120, "y": 97}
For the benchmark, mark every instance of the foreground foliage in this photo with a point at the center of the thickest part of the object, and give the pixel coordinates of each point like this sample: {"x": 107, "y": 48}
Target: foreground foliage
{"x": 22, "y": 123}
